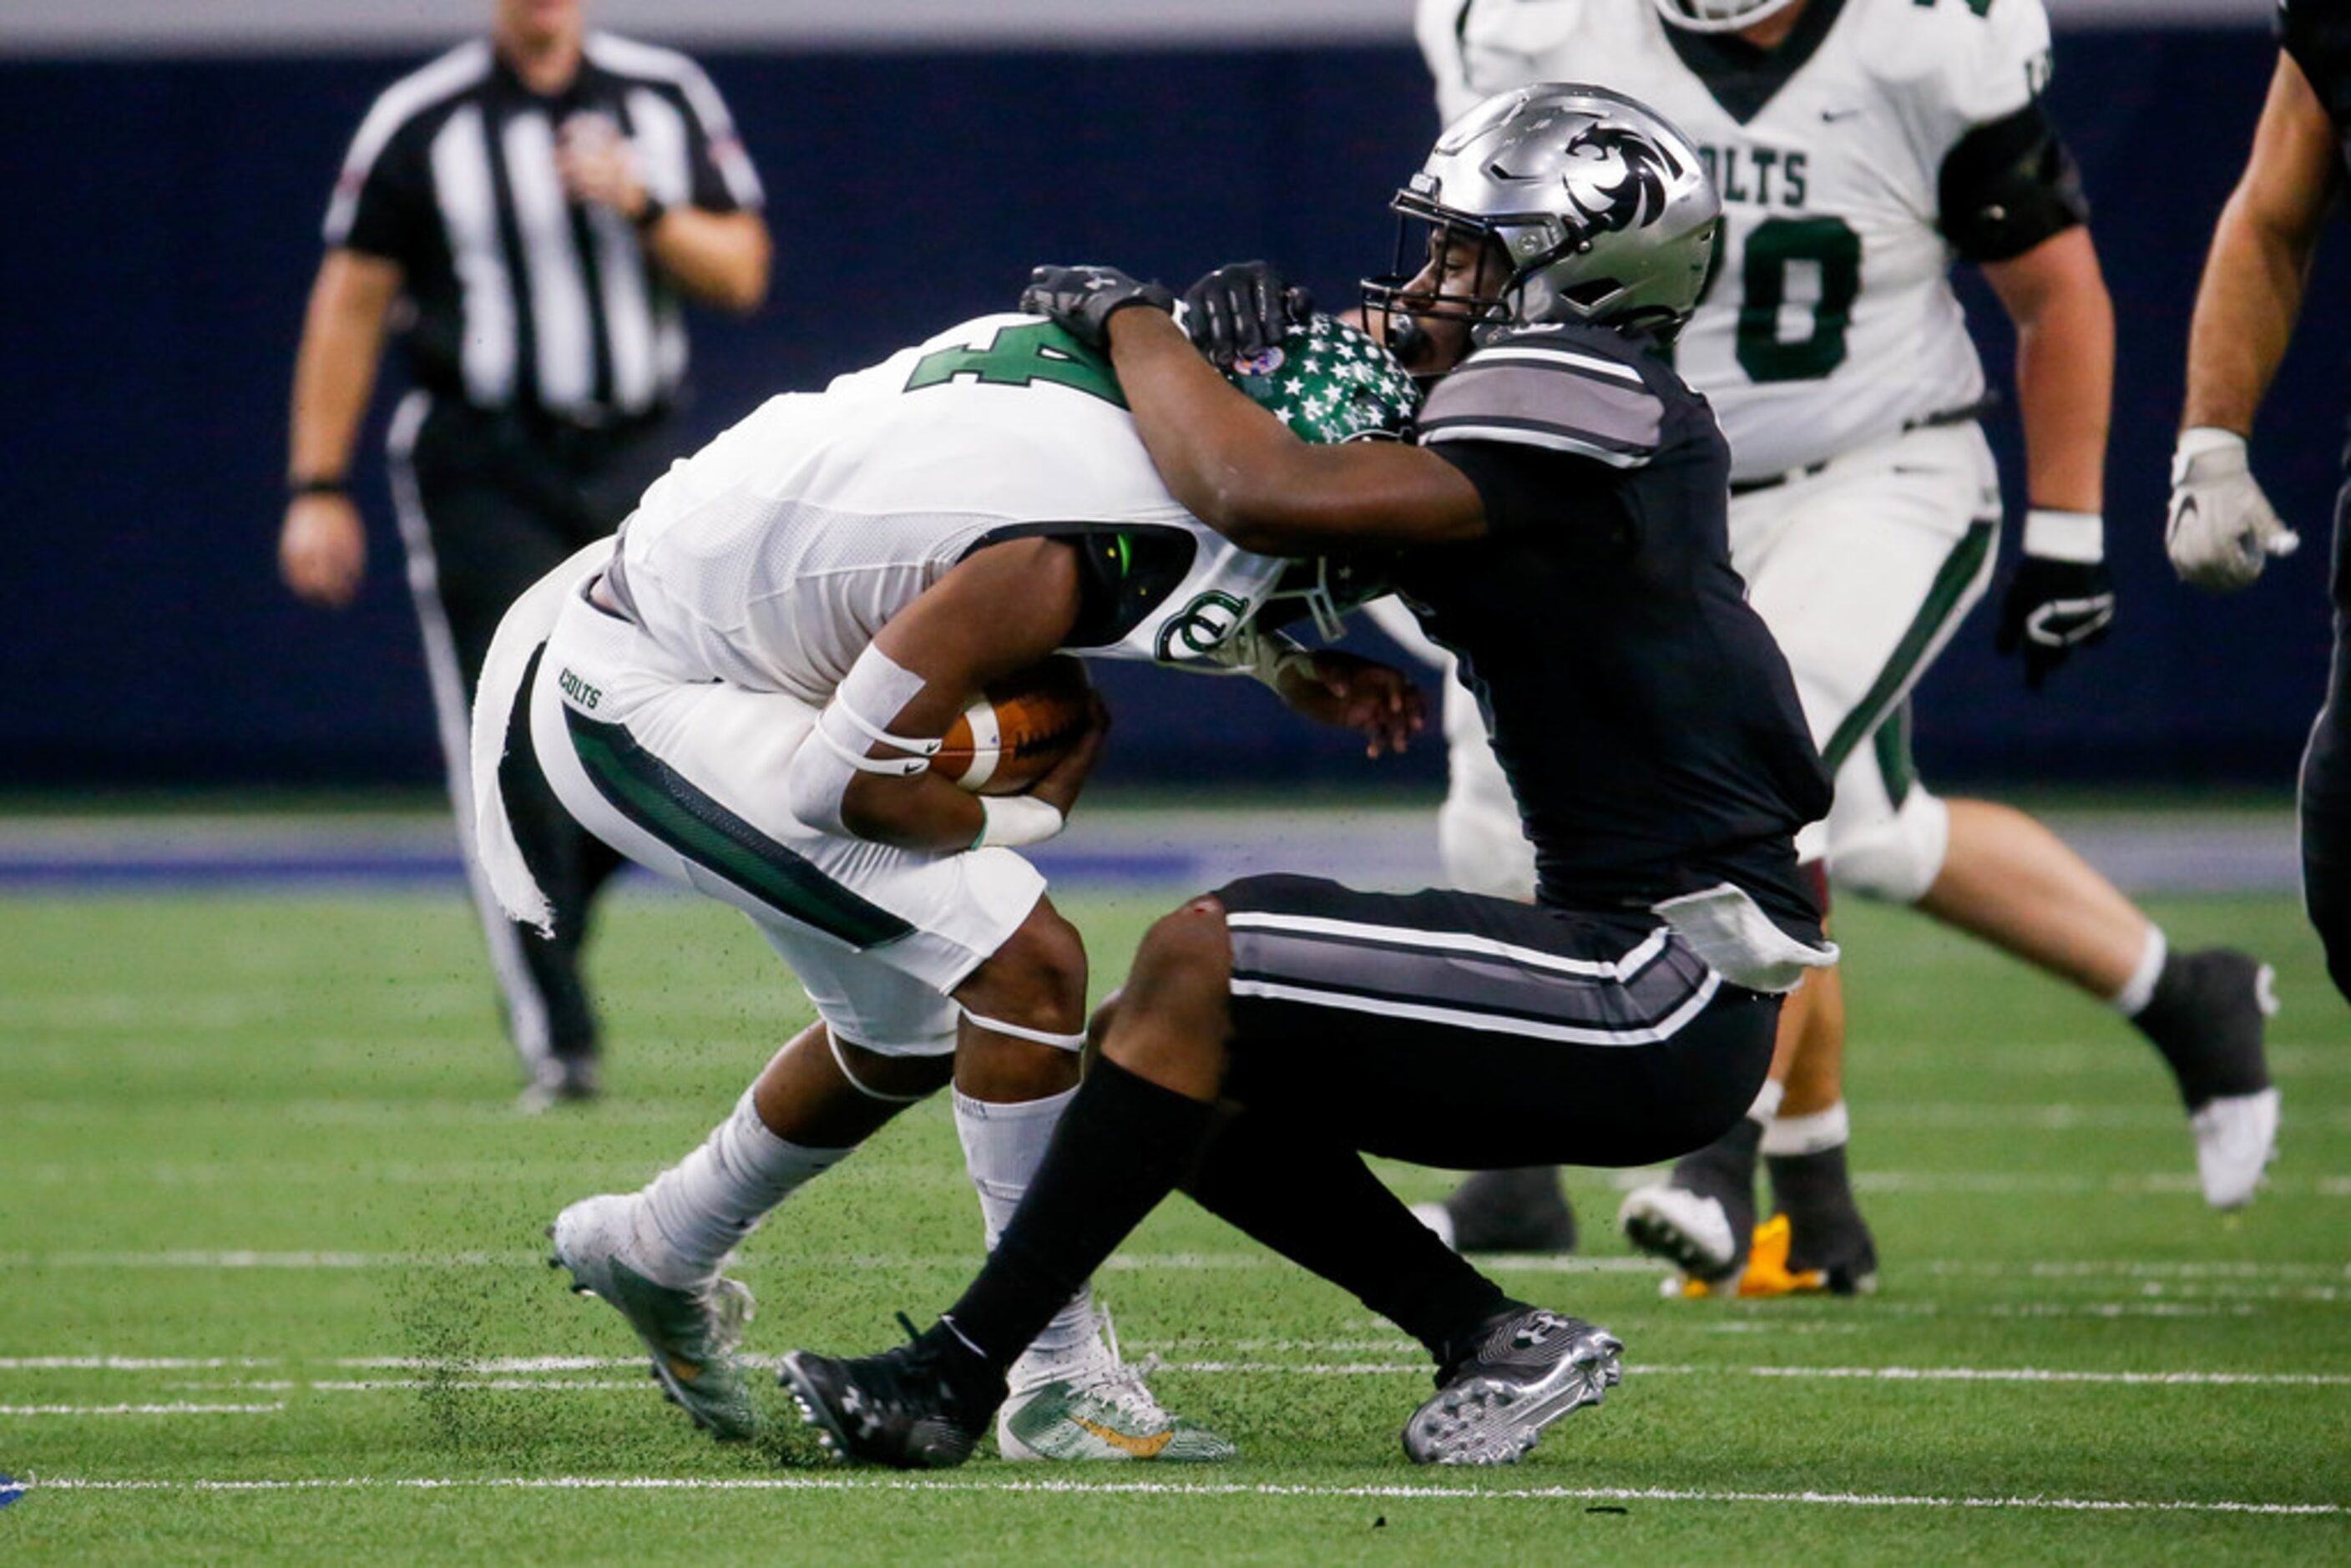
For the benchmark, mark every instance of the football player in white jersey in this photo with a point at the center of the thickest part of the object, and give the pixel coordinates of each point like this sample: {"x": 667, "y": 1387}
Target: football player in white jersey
{"x": 1862, "y": 146}
{"x": 743, "y": 690}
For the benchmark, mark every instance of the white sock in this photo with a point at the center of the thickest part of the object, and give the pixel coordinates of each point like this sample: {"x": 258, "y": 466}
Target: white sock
{"x": 704, "y": 1205}
{"x": 1766, "y": 1101}
{"x": 2139, "y": 989}
{"x": 1808, "y": 1134}
{"x": 1002, "y": 1148}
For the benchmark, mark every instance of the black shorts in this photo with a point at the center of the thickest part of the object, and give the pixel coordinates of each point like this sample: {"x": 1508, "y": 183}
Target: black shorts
{"x": 1450, "y": 1028}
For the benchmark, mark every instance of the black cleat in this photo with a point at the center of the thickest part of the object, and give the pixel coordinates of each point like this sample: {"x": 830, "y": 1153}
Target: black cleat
{"x": 1529, "y": 1368}
{"x": 902, "y": 1408}
{"x": 1517, "y": 1210}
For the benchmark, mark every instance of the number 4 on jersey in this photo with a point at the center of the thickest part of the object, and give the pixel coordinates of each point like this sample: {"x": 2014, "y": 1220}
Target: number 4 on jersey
{"x": 1022, "y": 356}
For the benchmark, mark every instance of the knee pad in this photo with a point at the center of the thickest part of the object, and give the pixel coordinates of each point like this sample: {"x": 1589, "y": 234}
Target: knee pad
{"x": 1893, "y": 858}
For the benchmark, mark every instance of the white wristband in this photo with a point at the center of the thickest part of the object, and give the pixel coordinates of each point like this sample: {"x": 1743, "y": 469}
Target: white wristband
{"x": 1009, "y": 821}
{"x": 2199, "y": 439}
{"x": 2065, "y": 535}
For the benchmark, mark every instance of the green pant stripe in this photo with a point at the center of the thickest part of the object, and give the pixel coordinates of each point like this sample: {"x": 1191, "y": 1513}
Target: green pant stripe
{"x": 1892, "y": 744}
{"x": 1951, "y": 580}
{"x": 666, "y": 804}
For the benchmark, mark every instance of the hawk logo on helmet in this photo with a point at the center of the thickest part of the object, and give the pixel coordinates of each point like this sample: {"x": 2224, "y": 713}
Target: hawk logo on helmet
{"x": 1615, "y": 179}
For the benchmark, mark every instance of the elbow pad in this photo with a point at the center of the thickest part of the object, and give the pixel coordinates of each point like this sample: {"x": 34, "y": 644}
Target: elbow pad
{"x": 835, "y": 753}
{"x": 2007, "y": 186}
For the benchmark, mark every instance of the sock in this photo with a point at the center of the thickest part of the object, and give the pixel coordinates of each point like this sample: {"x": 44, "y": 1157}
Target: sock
{"x": 1728, "y": 1163}
{"x": 704, "y": 1205}
{"x": 1002, "y": 1146}
{"x": 1120, "y": 1148}
{"x": 1318, "y": 1205}
{"x": 2139, "y": 989}
{"x": 2208, "y": 1031}
{"x": 1809, "y": 1134}
{"x": 1815, "y": 1190}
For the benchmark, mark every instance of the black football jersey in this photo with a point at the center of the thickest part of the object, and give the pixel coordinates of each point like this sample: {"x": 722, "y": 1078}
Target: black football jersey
{"x": 2317, "y": 33}
{"x": 1646, "y": 719}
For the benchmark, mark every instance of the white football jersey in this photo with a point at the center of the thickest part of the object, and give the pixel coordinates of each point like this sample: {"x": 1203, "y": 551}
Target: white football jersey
{"x": 772, "y": 556}
{"x": 1830, "y": 321}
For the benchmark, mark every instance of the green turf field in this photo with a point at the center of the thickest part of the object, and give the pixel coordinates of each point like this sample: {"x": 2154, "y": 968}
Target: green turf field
{"x": 271, "y": 1287}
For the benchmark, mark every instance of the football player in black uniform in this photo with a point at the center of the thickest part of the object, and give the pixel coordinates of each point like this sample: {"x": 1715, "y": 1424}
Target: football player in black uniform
{"x": 1559, "y": 523}
{"x": 2222, "y": 531}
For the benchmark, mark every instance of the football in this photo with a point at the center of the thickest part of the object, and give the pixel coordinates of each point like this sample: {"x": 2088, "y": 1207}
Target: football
{"x": 1019, "y": 727}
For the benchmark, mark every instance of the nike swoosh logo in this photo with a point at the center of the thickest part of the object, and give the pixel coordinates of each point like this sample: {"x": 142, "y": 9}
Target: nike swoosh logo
{"x": 1830, "y": 116}
{"x": 1140, "y": 1448}
{"x": 683, "y": 1371}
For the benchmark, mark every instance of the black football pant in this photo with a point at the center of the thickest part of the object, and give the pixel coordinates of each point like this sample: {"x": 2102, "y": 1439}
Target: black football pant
{"x": 488, "y": 504}
{"x": 2327, "y": 775}
{"x": 1441, "y": 1027}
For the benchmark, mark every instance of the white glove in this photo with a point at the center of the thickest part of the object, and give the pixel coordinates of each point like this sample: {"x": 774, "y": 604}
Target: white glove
{"x": 2222, "y": 531}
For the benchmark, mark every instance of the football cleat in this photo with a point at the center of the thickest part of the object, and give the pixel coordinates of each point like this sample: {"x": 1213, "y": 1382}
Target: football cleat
{"x": 1099, "y": 1409}
{"x": 1688, "y": 1229}
{"x": 561, "y": 1081}
{"x": 690, "y": 1332}
{"x": 902, "y": 1409}
{"x": 1517, "y": 1210}
{"x": 2236, "y": 1138}
{"x": 2209, "y": 1017}
{"x": 1530, "y": 1369}
{"x": 1770, "y": 1274}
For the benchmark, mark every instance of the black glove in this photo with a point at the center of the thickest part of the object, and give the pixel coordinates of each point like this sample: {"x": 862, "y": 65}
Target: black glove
{"x": 1081, "y": 299}
{"x": 2051, "y": 608}
{"x": 1241, "y": 309}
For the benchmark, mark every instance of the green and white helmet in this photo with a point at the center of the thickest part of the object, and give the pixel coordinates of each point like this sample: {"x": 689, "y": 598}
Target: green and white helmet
{"x": 1329, "y": 382}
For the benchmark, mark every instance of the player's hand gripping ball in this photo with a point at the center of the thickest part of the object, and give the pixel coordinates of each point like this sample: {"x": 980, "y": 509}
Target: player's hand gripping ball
{"x": 1019, "y": 727}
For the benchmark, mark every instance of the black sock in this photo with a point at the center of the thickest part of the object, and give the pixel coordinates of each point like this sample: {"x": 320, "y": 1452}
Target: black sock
{"x": 1726, "y": 1165}
{"x": 1318, "y": 1205}
{"x": 2205, "y": 1021}
{"x": 1121, "y": 1146}
{"x": 1814, "y": 1190}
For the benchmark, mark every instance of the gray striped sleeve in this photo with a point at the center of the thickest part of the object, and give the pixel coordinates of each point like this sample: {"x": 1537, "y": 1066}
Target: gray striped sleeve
{"x": 1547, "y": 396}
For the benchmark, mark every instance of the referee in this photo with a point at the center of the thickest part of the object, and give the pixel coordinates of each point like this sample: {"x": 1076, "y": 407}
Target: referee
{"x": 540, "y": 199}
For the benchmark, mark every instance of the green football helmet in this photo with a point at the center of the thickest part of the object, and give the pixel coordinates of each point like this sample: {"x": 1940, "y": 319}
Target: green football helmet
{"x": 1329, "y": 382}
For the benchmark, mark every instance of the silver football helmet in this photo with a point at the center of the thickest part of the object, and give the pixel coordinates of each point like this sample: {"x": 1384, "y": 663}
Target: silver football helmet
{"x": 1603, "y": 209}
{"x": 1718, "y": 15}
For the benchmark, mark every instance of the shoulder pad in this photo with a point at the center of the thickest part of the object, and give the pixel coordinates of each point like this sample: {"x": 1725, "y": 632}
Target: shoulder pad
{"x": 1561, "y": 392}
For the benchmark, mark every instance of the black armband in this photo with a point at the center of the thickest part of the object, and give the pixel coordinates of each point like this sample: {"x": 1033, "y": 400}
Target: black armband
{"x": 649, "y": 213}
{"x": 318, "y": 485}
{"x": 2008, "y": 186}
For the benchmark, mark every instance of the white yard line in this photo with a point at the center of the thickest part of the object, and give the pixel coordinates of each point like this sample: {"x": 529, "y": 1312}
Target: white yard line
{"x": 1194, "y": 1488}
{"x": 175, "y": 1409}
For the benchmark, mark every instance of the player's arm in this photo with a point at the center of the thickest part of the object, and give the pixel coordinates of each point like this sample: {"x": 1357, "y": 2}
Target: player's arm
{"x": 322, "y": 544}
{"x": 866, "y": 771}
{"x": 2009, "y": 200}
{"x": 1239, "y": 470}
{"x": 2222, "y": 531}
{"x": 2056, "y": 296}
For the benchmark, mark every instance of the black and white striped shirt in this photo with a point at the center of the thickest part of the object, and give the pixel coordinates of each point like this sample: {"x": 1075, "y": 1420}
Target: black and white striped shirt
{"x": 524, "y": 298}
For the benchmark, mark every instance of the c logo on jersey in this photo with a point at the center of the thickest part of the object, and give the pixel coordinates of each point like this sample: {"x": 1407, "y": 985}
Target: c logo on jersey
{"x": 1615, "y": 179}
{"x": 1200, "y": 628}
